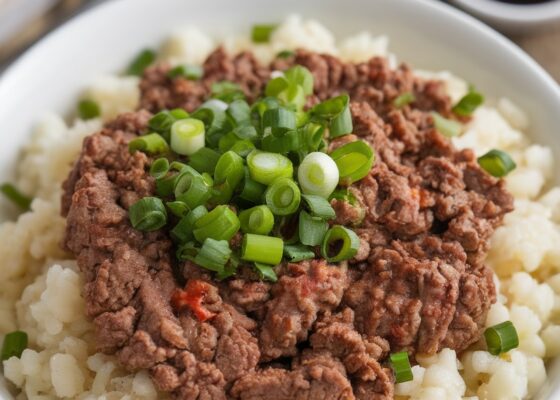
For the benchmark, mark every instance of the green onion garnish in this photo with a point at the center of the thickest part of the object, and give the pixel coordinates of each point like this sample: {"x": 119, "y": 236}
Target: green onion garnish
{"x": 404, "y": 99}
{"x": 187, "y": 251}
{"x": 88, "y": 109}
{"x": 187, "y": 136}
{"x": 318, "y": 174}
{"x": 354, "y": 161}
{"x": 447, "y": 127}
{"x": 152, "y": 144}
{"x": 213, "y": 255}
{"x": 240, "y": 113}
{"x": 178, "y": 208}
{"x": 258, "y": 220}
{"x": 283, "y": 197}
{"x": 243, "y": 147}
{"x": 266, "y": 167}
{"x": 161, "y": 123}
{"x": 266, "y": 272}
{"x": 15, "y": 196}
{"x": 298, "y": 252}
{"x": 497, "y": 163}
{"x": 14, "y": 344}
{"x": 227, "y": 91}
{"x": 141, "y": 62}
{"x": 148, "y": 214}
{"x": 318, "y": 206}
{"x": 159, "y": 168}
{"x": 261, "y": 33}
{"x": 339, "y": 244}
{"x": 301, "y": 76}
{"x": 192, "y": 189}
{"x": 468, "y": 103}
{"x": 501, "y": 338}
{"x": 286, "y": 54}
{"x": 183, "y": 231}
{"x": 220, "y": 224}
{"x": 204, "y": 160}
{"x": 337, "y": 112}
{"x": 279, "y": 120}
{"x": 401, "y": 367}
{"x": 311, "y": 229}
{"x": 190, "y": 72}
{"x": 262, "y": 249}
{"x": 251, "y": 190}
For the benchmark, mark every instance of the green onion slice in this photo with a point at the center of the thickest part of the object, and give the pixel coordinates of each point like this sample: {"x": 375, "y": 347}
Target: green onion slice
{"x": 165, "y": 185}
{"x": 298, "y": 252}
{"x": 337, "y": 112}
{"x": 226, "y": 91}
{"x": 220, "y": 224}
{"x": 501, "y": 338}
{"x": 251, "y": 190}
{"x": 318, "y": 174}
{"x": 447, "y": 127}
{"x": 318, "y": 206}
{"x": 266, "y": 272}
{"x": 283, "y": 197}
{"x": 339, "y": 244}
{"x": 468, "y": 103}
{"x": 401, "y": 367}
{"x": 15, "y": 196}
{"x": 497, "y": 163}
{"x": 178, "y": 208}
{"x": 183, "y": 231}
{"x": 243, "y": 147}
{"x": 204, "y": 160}
{"x": 239, "y": 112}
{"x": 258, "y": 220}
{"x": 213, "y": 255}
{"x": 229, "y": 169}
{"x": 187, "y": 251}
{"x": 88, "y": 109}
{"x": 279, "y": 120}
{"x": 404, "y": 99}
{"x": 152, "y": 144}
{"x": 354, "y": 161}
{"x": 141, "y": 62}
{"x": 266, "y": 167}
{"x": 261, "y": 33}
{"x": 187, "y": 136}
{"x": 190, "y": 72}
{"x": 159, "y": 168}
{"x": 299, "y": 75}
{"x": 192, "y": 189}
{"x": 148, "y": 214}
{"x": 286, "y": 54}
{"x": 311, "y": 229}
{"x": 14, "y": 344}
{"x": 262, "y": 249}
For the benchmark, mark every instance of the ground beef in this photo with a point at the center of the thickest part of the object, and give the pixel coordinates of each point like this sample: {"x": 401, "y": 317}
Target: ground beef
{"x": 424, "y": 215}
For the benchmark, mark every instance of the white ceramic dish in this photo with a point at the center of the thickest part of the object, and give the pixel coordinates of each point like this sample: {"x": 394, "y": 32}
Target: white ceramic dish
{"x": 427, "y": 34}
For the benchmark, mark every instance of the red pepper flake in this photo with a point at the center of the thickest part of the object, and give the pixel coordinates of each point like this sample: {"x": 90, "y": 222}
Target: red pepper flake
{"x": 192, "y": 298}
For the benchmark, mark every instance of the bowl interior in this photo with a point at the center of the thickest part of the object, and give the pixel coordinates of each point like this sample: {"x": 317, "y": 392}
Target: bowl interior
{"x": 426, "y": 34}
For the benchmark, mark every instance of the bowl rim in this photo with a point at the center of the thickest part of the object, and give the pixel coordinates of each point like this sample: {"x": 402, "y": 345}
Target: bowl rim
{"x": 516, "y": 13}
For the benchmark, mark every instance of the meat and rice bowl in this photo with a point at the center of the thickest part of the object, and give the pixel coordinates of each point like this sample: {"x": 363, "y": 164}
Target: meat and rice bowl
{"x": 283, "y": 219}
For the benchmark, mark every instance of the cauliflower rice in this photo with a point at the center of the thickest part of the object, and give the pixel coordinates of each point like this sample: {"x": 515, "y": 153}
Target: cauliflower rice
{"x": 40, "y": 289}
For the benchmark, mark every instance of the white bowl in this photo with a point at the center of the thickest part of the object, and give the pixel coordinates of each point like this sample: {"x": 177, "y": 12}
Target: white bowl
{"x": 513, "y": 18}
{"x": 427, "y": 34}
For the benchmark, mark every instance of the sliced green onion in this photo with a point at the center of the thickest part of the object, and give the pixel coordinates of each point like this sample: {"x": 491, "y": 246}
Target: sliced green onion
{"x": 239, "y": 112}
{"x": 165, "y": 185}
{"x": 14, "y": 344}
{"x": 266, "y": 167}
{"x": 289, "y": 141}
{"x": 183, "y": 231}
{"x": 212, "y": 113}
{"x": 287, "y": 228}
{"x": 220, "y": 224}
{"x": 141, "y": 62}
{"x": 229, "y": 169}
{"x": 148, "y": 214}
{"x": 213, "y": 255}
{"x": 88, "y": 109}
{"x": 404, "y": 99}
{"x": 468, "y": 103}
{"x": 187, "y": 251}
{"x": 178, "y": 208}
{"x": 159, "y": 168}
{"x": 187, "y": 136}
{"x": 337, "y": 112}
{"x": 298, "y": 252}
{"x": 251, "y": 191}
{"x": 261, "y": 33}
{"x": 401, "y": 367}
{"x": 179, "y": 113}
{"x": 192, "y": 189}
{"x": 501, "y": 338}
{"x": 294, "y": 98}
{"x": 204, "y": 160}
{"x": 15, "y": 196}
{"x": 190, "y": 72}
{"x": 243, "y": 147}
{"x": 497, "y": 163}
{"x": 283, "y": 196}
{"x": 279, "y": 120}
{"x": 258, "y": 220}
{"x": 339, "y": 244}
{"x": 262, "y": 249}
{"x": 227, "y": 141}
{"x": 318, "y": 206}
{"x": 301, "y": 76}
{"x": 266, "y": 272}
{"x": 447, "y": 127}
{"x": 227, "y": 91}
{"x": 354, "y": 161}
{"x": 276, "y": 86}
{"x": 161, "y": 123}
{"x": 247, "y": 132}
{"x": 229, "y": 270}
{"x": 311, "y": 229}
{"x": 318, "y": 174}
{"x": 343, "y": 194}
{"x": 286, "y": 54}
{"x": 152, "y": 144}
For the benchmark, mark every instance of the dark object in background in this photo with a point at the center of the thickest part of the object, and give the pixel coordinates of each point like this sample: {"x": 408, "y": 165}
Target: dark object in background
{"x": 523, "y": 1}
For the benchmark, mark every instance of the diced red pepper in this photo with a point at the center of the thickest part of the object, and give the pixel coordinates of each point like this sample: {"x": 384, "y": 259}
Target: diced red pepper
{"x": 192, "y": 298}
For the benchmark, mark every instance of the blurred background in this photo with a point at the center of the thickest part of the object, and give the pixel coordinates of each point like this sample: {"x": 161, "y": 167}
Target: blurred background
{"x": 532, "y": 24}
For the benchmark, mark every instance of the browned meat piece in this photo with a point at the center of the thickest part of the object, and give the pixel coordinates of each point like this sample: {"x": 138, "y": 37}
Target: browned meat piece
{"x": 424, "y": 216}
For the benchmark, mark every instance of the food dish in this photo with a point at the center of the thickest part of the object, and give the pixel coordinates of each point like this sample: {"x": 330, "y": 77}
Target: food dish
{"x": 471, "y": 135}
